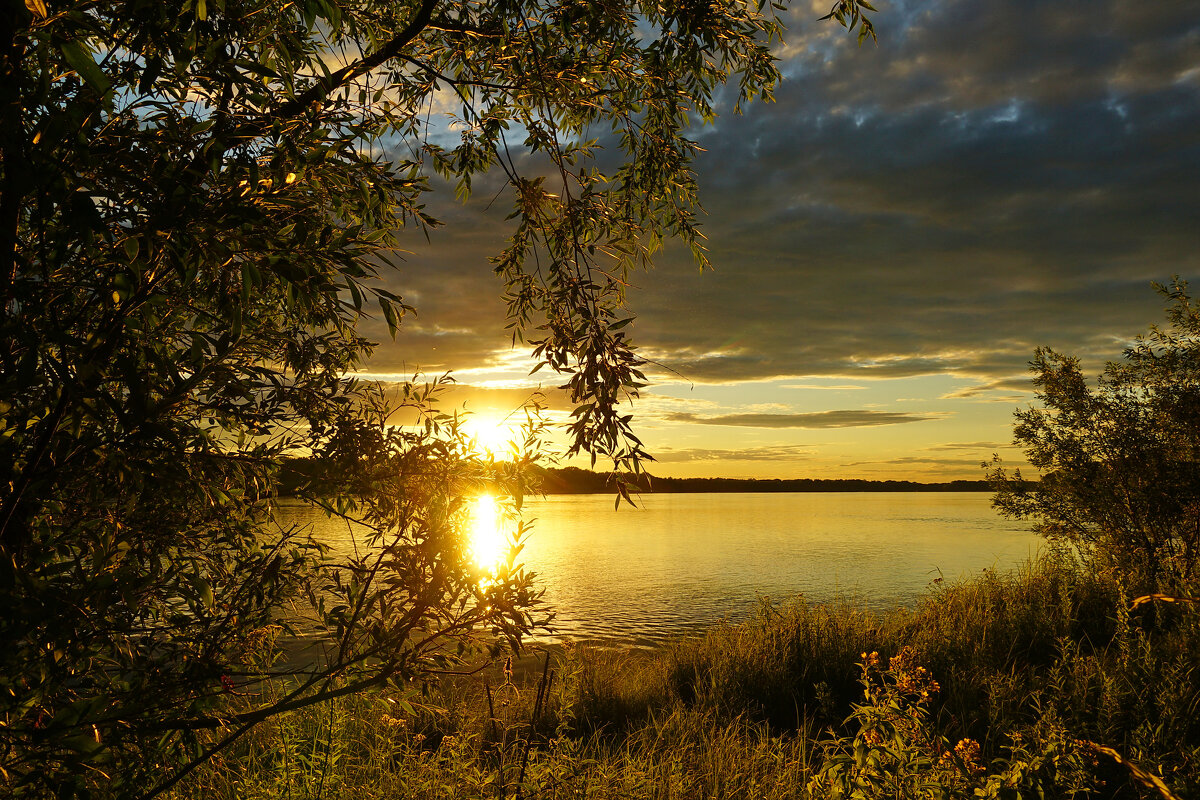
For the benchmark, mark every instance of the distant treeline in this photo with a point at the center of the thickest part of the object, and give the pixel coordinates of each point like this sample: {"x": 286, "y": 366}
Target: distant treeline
{"x": 572, "y": 480}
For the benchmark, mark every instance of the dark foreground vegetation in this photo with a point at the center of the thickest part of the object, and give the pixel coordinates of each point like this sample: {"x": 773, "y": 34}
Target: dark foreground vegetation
{"x": 201, "y": 207}
{"x": 1032, "y": 684}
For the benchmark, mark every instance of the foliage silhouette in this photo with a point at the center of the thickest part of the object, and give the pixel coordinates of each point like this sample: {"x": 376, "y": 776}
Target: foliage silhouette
{"x": 1120, "y": 471}
{"x": 199, "y": 199}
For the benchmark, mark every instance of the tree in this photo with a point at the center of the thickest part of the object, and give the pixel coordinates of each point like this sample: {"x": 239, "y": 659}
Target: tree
{"x": 197, "y": 200}
{"x": 1120, "y": 464}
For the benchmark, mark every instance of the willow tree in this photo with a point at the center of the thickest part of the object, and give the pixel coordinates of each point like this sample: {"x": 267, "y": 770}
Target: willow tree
{"x": 199, "y": 199}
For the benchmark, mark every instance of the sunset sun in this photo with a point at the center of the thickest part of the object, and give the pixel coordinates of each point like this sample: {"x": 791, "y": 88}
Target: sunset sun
{"x": 491, "y": 435}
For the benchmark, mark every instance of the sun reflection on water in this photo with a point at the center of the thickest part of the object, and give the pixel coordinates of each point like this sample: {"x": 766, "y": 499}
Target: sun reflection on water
{"x": 489, "y": 542}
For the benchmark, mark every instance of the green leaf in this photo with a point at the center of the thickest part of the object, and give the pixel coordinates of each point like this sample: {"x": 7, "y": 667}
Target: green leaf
{"x": 79, "y": 56}
{"x": 82, "y": 743}
{"x": 258, "y": 69}
{"x": 389, "y": 313}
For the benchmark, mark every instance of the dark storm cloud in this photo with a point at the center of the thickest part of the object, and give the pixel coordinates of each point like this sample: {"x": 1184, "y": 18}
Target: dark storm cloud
{"x": 812, "y": 420}
{"x": 995, "y": 175}
{"x": 458, "y": 320}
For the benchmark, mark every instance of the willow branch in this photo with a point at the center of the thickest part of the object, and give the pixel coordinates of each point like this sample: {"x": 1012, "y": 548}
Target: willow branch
{"x": 338, "y": 79}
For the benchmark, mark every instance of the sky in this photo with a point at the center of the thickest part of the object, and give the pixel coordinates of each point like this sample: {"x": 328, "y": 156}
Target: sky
{"x": 893, "y": 237}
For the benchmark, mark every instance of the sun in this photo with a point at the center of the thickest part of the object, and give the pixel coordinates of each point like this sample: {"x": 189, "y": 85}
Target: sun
{"x": 492, "y": 436}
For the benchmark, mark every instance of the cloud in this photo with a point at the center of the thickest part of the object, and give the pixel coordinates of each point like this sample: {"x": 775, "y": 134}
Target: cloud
{"x": 951, "y": 446}
{"x": 919, "y": 461}
{"x": 775, "y": 453}
{"x": 823, "y": 387}
{"x": 862, "y": 418}
{"x": 995, "y": 175}
{"x": 476, "y": 401}
{"x": 988, "y": 389}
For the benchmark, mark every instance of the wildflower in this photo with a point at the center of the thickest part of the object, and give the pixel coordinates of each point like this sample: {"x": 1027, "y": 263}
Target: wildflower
{"x": 911, "y": 678}
{"x": 967, "y": 751}
{"x": 1090, "y": 748}
{"x": 903, "y": 661}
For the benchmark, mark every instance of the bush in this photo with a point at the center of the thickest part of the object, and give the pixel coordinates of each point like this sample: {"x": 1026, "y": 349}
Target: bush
{"x": 1120, "y": 464}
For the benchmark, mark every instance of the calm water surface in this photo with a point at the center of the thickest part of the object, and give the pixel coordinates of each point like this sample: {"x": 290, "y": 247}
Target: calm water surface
{"x": 682, "y": 562}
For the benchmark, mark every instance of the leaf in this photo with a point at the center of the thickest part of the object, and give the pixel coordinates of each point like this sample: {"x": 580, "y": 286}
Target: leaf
{"x": 79, "y": 56}
{"x": 37, "y": 8}
{"x": 82, "y": 743}
{"x": 261, "y": 70}
{"x": 149, "y": 75}
{"x": 389, "y": 313}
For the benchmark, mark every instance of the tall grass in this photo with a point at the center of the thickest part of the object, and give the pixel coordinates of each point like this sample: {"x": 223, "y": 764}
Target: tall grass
{"x": 796, "y": 662}
{"x": 355, "y": 748}
{"x": 1032, "y": 665}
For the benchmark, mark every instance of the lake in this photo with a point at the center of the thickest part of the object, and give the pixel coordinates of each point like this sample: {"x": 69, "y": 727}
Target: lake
{"x": 681, "y": 562}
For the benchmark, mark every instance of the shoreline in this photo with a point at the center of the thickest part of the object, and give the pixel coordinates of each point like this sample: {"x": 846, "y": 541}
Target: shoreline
{"x": 299, "y": 472}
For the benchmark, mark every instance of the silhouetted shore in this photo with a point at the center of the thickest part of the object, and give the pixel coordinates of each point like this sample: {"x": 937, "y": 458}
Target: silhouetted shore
{"x": 572, "y": 480}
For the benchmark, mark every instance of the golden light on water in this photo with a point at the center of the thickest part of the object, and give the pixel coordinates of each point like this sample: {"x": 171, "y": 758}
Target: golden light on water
{"x": 489, "y": 542}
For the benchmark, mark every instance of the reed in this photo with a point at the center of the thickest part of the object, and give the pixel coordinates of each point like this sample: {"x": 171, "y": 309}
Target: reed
{"x": 1042, "y": 674}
